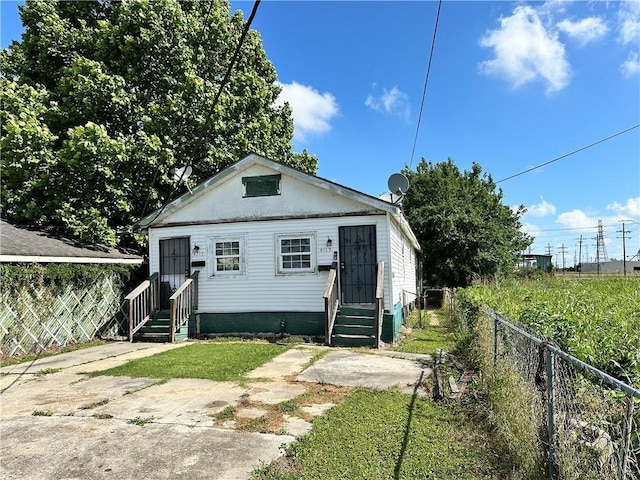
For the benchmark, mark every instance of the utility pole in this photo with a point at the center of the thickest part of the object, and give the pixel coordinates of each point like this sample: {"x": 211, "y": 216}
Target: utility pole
{"x": 548, "y": 248}
{"x": 580, "y": 258}
{"x": 624, "y": 252}
{"x": 563, "y": 249}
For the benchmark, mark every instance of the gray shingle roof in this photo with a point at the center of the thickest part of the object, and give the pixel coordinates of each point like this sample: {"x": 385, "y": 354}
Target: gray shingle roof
{"x": 24, "y": 244}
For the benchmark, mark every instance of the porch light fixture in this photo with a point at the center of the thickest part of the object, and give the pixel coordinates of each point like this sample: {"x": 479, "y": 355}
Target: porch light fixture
{"x": 196, "y": 249}
{"x": 329, "y": 242}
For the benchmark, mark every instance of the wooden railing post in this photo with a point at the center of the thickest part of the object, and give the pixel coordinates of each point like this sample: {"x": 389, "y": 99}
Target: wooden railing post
{"x": 331, "y": 304}
{"x": 379, "y": 302}
{"x": 182, "y": 304}
{"x": 141, "y": 304}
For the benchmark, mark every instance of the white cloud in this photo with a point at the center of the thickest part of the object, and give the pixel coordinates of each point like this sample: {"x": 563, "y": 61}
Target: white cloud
{"x": 526, "y": 51}
{"x": 541, "y": 209}
{"x": 629, "y": 22}
{"x": 312, "y": 111}
{"x": 531, "y": 229}
{"x": 631, "y": 66}
{"x": 393, "y": 101}
{"x": 630, "y": 209}
{"x": 576, "y": 219}
{"x": 585, "y": 30}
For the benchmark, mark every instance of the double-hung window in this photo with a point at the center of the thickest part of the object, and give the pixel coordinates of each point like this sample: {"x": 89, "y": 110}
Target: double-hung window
{"x": 228, "y": 256}
{"x": 296, "y": 253}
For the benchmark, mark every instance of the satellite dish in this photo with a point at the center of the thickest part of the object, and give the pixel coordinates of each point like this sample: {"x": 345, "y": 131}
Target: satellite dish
{"x": 182, "y": 174}
{"x": 398, "y": 184}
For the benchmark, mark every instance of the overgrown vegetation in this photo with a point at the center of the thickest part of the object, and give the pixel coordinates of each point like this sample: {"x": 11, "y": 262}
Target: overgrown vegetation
{"x": 213, "y": 361}
{"x": 59, "y": 276}
{"x": 596, "y": 320}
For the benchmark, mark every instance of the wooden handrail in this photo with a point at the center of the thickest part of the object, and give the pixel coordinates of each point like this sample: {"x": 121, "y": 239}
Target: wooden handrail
{"x": 182, "y": 304}
{"x": 379, "y": 302}
{"x": 142, "y": 303}
{"x": 331, "y": 304}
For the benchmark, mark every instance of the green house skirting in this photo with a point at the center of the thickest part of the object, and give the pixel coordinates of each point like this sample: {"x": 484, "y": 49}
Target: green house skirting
{"x": 291, "y": 323}
{"x": 391, "y": 323}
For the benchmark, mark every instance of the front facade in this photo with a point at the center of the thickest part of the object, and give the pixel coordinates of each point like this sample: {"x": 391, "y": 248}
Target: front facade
{"x": 264, "y": 238}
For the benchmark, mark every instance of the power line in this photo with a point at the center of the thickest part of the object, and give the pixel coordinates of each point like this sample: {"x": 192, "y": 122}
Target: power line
{"x": 426, "y": 81}
{"x": 568, "y": 154}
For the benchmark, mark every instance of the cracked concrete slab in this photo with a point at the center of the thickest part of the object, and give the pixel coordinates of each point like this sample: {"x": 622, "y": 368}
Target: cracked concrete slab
{"x": 364, "y": 370}
{"x": 85, "y": 356}
{"x": 289, "y": 363}
{"x": 273, "y": 393}
{"x": 75, "y": 448}
{"x": 186, "y": 401}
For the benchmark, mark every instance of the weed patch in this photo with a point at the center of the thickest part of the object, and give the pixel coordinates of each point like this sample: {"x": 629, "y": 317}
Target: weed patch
{"x": 42, "y": 413}
{"x": 140, "y": 421}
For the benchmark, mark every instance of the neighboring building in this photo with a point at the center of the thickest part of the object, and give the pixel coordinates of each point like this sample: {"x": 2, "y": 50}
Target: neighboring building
{"x": 264, "y": 239}
{"x": 543, "y": 262}
{"x": 21, "y": 244}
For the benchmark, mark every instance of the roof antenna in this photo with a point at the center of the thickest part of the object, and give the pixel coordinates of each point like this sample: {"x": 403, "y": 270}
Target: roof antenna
{"x": 181, "y": 175}
{"x": 398, "y": 185}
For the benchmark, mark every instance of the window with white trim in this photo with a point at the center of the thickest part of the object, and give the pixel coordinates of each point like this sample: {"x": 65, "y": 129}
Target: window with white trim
{"x": 296, "y": 253}
{"x": 228, "y": 256}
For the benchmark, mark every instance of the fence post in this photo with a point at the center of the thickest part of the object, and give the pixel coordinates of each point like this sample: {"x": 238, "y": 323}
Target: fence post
{"x": 495, "y": 342}
{"x": 626, "y": 441}
{"x": 549, "y": 364}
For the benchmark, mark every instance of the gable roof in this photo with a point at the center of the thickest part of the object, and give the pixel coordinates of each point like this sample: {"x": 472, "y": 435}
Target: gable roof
{"x": 255, "y": 159}
{"x": 252, "y": 159}
{"x": 22, "y": 244}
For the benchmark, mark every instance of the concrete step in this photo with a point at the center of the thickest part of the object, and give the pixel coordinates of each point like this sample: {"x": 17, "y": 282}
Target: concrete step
{"x": 353, "y": 329}
{"x": 151, "y": 337}
{"x": 364, "y": 311}
{"x": 345, "y": 340}
{"x": 342, "y": 319}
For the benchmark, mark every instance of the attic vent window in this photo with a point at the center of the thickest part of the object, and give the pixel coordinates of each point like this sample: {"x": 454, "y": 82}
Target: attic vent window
{"x": 261, "y": 186}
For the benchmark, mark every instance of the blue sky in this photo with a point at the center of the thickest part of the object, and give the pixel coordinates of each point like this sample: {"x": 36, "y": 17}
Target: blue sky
{"x": 512, "y": 85}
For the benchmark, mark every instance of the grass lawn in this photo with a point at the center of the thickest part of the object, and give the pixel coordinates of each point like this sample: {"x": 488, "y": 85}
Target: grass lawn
{"x": 391, "y": 435}
{"x": 429, "y": 339}
{"x": 213, "y": 361}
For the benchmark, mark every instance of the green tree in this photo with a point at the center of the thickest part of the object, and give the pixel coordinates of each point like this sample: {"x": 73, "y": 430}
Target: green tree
{"x": 100, "y": 100}
{"x": 461, "y": 223}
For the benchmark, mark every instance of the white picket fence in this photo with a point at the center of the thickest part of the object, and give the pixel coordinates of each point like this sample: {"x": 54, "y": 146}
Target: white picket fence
{"x": 38, "y": 318}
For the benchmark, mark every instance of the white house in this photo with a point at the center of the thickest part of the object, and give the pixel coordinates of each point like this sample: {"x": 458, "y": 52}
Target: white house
{"x": 267, "y": 241}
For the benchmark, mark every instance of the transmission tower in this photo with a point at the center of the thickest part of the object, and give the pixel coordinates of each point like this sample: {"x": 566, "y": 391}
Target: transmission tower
{"x": 601, "y": 249}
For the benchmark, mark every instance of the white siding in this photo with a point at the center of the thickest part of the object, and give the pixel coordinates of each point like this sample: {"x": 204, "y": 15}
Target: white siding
{"x": 403, "y": 261}
{"x": 260, "y": 288}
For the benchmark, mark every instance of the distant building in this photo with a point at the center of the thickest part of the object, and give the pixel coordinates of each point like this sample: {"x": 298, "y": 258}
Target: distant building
{"x": 543, "y": 262}
{"x": 612, "y": 266}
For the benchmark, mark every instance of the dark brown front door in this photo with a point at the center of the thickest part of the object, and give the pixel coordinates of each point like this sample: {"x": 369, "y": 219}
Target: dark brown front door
{"x": 357, "y": 264}
{"x": 174, "y": 267}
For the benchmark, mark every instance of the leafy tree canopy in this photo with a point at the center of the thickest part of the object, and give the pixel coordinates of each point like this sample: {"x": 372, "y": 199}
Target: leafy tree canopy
{"x": 461, "y": 223}
{"x": 100, "y": 100}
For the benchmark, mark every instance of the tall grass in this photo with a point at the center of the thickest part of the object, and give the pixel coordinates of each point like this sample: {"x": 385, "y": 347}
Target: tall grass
{"x": 596, "y": 320}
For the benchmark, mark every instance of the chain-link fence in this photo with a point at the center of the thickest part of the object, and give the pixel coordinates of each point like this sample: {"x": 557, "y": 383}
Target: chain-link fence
{"x": 563, "y": 418}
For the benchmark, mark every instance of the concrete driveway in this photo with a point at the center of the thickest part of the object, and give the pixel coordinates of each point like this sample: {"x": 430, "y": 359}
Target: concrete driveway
{"x": 57, "y": 423}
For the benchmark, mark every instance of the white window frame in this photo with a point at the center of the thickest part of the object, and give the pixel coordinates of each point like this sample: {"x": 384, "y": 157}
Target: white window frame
{"x": 213, "y": 271}
{"x": 280, "y": 269}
